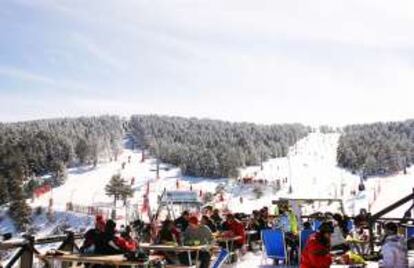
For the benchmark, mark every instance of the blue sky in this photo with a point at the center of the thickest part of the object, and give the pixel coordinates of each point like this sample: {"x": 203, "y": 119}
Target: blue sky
{"x": 266, "y": 61}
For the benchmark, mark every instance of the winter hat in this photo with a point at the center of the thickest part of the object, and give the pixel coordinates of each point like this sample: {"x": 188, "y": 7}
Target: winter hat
{"x": 193, "y": 220}
{"x": 110, "y": 226}
{"x": 100, "y": 223}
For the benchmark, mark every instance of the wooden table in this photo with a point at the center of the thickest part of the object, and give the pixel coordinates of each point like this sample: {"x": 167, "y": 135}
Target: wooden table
{"x": 113, "y": 260}
{"x": 250, "y": 233}
{"x": 228, "y": 241}
{"x": 176, "y": 248}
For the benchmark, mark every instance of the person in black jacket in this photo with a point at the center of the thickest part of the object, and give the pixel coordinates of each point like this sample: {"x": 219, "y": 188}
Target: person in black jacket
{"x": 218, "y": 221}
{"x": 209, "y": 223}
{"x": 182, "y": 221}
{"x": 109, "y": 242}
{"x": 93, "y": 237}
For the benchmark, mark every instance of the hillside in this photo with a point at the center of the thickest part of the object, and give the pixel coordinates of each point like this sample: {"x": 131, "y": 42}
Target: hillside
{"x": 213, "y": 148}
{"x": 313, "y": 169}
{"x": 377, "y": 149}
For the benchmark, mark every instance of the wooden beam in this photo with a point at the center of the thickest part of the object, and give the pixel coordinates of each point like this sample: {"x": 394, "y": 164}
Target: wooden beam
{"x": 391, "y": 207}
{"x": 26, "y": 260}
{"x": 15, "y": 258}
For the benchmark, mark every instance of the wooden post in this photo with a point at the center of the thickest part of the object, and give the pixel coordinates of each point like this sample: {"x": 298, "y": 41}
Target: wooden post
{"x": 371, "y": 223}
{"x": 68, "y": 245}
{"x": 412, "y": 205}
{"x": 26, "y": 259}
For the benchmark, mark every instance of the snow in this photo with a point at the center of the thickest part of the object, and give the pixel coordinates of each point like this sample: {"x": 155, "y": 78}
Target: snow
{"x": 311, "y": 165}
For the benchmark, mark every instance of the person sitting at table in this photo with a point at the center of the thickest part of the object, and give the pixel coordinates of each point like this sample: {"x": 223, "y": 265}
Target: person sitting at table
{"x": 361, "y": 234}
{"x": 182, "y": 221}
{"x": 129, "y": 242}
{"x": 338, "y": 241}
{"x": 209, "y": 223}
{"x": 111, "y": 243}
{"x": 208, "y": 210}
{"x": 218, "y": 221}
{"x": 256, "y": 225}
{"x": 169, "y": 234}
{"x": 361, "y": 220}
{"x": 254, "y": 222}
{"x": 307, "y": 225}
{"x": 197, "y": 234}
{"x": 93, "y": 236}
{"x": 264, "y": 218}
{"x": 316, "y": 253}
{"x": 234, "y": 228}
{"x": 394, "y": 248}
{"x": 342, "y": 222}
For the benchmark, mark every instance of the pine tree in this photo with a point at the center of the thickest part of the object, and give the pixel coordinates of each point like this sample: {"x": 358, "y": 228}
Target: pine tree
{"x": 370, "y": 165}
{"x": 115, "y": 187}
{"x": 82, "y": 150}
{"x": 60, "y": 174}
{"x": 126, "y": 192}
{"x": 4, "y": 195}
{"x": 19, "y": 210}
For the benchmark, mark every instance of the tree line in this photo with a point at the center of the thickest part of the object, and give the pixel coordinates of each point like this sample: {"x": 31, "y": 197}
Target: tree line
{"x": 377, "y": 149}
{"x": 200, "y": 147}
{"x": 212, "y": 148}
{"x": 35, "y": 148}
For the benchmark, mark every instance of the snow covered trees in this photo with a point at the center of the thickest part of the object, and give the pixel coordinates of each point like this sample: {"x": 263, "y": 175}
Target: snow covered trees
{"x": 212, "y": 148}
{"x": 18, "y": 209}
{"x": 33, "y": 148}
{"x": 380, "y": 148}
{"x": 4, "y": 195}
{"x": 46, "y": 144}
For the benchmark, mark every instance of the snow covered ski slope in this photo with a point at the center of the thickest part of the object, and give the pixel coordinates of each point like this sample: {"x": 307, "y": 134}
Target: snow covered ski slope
{"x": 311, "y": 165}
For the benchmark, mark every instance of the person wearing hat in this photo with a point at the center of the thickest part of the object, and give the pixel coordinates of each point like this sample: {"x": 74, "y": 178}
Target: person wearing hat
{"x": 93, "y": 237}
{"x": 394, "y": 248}
{"x": 197, "y": 234}
{"x": 316, "y": 253}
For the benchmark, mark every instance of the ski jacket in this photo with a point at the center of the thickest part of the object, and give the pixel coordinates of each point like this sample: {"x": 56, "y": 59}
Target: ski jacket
{"x": 237, "y": 229}
{"x": 126, "y": 244}
{"x": 394, "y": 252}
{"x": 316, "y": 254}
{"x": 201, "y": 233}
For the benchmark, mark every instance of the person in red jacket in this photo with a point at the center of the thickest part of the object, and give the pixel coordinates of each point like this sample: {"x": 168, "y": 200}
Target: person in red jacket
{"x": 235, "y": 228}
{"x": 128, "y": 243}
{"x": 316, "y": 253}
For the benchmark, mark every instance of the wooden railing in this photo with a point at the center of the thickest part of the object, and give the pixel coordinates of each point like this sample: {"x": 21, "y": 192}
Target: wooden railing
{"x": 27, "y": 251}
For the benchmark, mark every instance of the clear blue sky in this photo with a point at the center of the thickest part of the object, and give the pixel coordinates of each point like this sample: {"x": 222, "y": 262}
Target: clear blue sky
{"x": 264, "y": 61}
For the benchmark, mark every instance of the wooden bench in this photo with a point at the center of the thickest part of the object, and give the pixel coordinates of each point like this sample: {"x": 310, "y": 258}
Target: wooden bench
{"x": 113, "y": 260}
